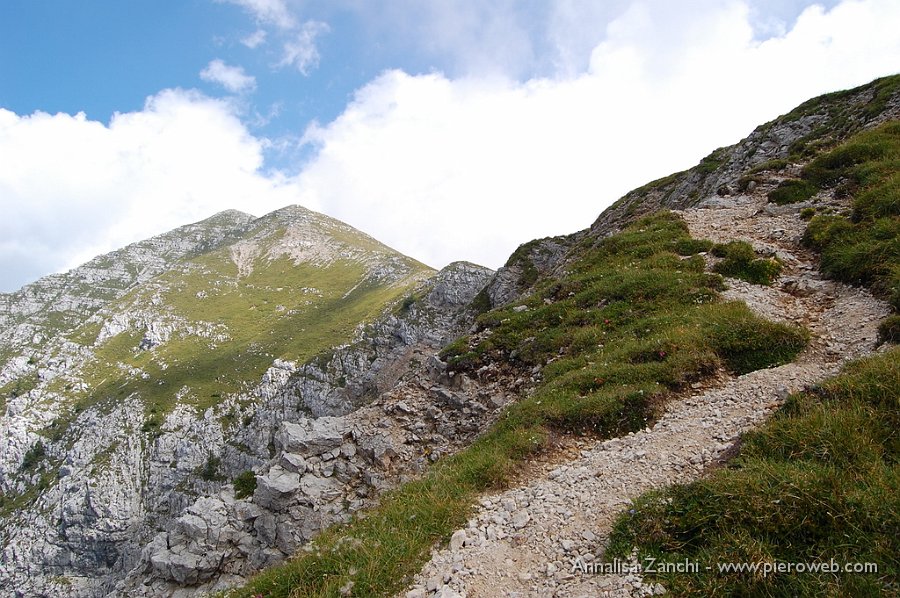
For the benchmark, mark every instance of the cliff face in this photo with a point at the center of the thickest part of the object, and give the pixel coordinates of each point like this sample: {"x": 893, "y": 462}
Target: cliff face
{"x": 139, "y": 386}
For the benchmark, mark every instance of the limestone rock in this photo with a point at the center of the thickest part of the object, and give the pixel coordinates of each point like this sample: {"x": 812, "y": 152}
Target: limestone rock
{"x": 276, "y": 489}
{"x": 312, "y": 436}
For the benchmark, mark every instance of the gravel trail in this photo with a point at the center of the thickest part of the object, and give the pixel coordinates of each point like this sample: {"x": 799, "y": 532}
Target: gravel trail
{"x": 526, "y": 541}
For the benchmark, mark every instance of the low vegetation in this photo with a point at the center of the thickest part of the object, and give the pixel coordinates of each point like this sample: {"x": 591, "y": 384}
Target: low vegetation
{"x": 632, "y": 322}
{"x": 792, "y": 191}
{"x": 819, "y": 483}
{"x": 739, "y": 261}
{"x": 244, "y": 484}
{"x": 864, "y": 247}
{"x": 34, "y": 456}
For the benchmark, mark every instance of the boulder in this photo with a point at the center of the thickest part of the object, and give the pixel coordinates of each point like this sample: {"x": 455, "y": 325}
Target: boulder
{"x": 312, "y": 436}
{"x": 294, "y": 463}
{"x": 320, "y": 489}
{"x": 276, "y": 489}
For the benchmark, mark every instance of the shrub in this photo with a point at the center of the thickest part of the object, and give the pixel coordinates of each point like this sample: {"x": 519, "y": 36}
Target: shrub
{"x": 889, "y": 329}
{"x": 792, "y": 191}
{"x": 152, "y": 424}
{"x": 692, "y": 246}
{"x": 210, "y": 470}
{"x": 407, "y": 303}
{"x": 244, "y": 484}
{"x": 482, "y": 302}
{"x": 34, "y": 455}
{"x": 740, "y": 261}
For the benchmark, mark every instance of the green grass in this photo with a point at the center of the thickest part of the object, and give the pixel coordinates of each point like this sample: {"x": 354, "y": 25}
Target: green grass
{"x": 713, "y": 161}
{"x": 244, "y": 484}
{"x": 792, "y": 191}
{"x": 631, "y": 322}
{"x": 864, "y": 248}
{"x": 819, "y": 482}
{"x": 739, "y": 261}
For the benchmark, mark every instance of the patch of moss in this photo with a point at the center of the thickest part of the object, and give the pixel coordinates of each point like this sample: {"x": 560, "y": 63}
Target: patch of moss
{"x": 739, "y": 261}
{"x": 792, "y": 191}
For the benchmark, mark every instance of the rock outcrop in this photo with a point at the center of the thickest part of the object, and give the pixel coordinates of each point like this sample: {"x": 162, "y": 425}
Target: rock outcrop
{"x": 117, "y": 451}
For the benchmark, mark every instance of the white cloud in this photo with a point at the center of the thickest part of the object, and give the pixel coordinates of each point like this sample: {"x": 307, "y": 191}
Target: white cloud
{"x": 300, "y": 51}
{"x": 462, "y": 36}
{"x": 468, "y": 168}
{"x": 72, "y": 188}
{"x": 255, "y": 39}
{"x": 297, "y": 37}
{"x": 440, "y": 167}
{"x": 269, "y": 12}
{"x": 232, "y": 78}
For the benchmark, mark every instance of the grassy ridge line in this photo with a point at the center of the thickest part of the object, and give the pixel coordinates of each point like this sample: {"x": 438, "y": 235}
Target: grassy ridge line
{"x": 632, "y": 322}
{"x": 819, "y": 482}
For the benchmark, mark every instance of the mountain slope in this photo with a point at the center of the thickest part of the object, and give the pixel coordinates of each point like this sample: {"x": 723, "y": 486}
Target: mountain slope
{"x": 37, "y": 313}
{"x": 293, "y": 391}
{"x": 578, "y": 319}
{"x": 167, "y": 369}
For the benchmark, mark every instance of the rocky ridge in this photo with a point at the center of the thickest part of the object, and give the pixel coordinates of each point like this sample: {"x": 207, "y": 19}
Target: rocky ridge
{"x": 122, "y": 477}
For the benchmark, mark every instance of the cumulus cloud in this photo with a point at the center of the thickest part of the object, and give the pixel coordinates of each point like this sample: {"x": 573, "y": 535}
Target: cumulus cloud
{"x": 443, "y": 167}
{"x": 255, "y": 39}
{"x": 72, "y": 188}
{"x": 269, "y": 12}
{"x": 232, "y": 78}
{"x": 296, "y": 36}
{"x": 467, "y": 168}
{"x": 300, "y": 51}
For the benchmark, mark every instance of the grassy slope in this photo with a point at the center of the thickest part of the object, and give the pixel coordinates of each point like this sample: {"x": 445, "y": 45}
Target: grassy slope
{"x": 863, "y": 247}
{"x": 821, "y": 481}
{"x": 632, "y": 322}
{"x": 280, "y": 310}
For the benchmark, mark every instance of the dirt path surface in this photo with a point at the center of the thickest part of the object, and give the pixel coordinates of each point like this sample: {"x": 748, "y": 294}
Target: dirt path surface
{"x": 525, "y": 542}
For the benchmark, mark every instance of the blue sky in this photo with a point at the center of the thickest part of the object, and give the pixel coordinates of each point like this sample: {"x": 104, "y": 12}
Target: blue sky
{"x": 101, "y": 57}
{"x": 452, "y": 129}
